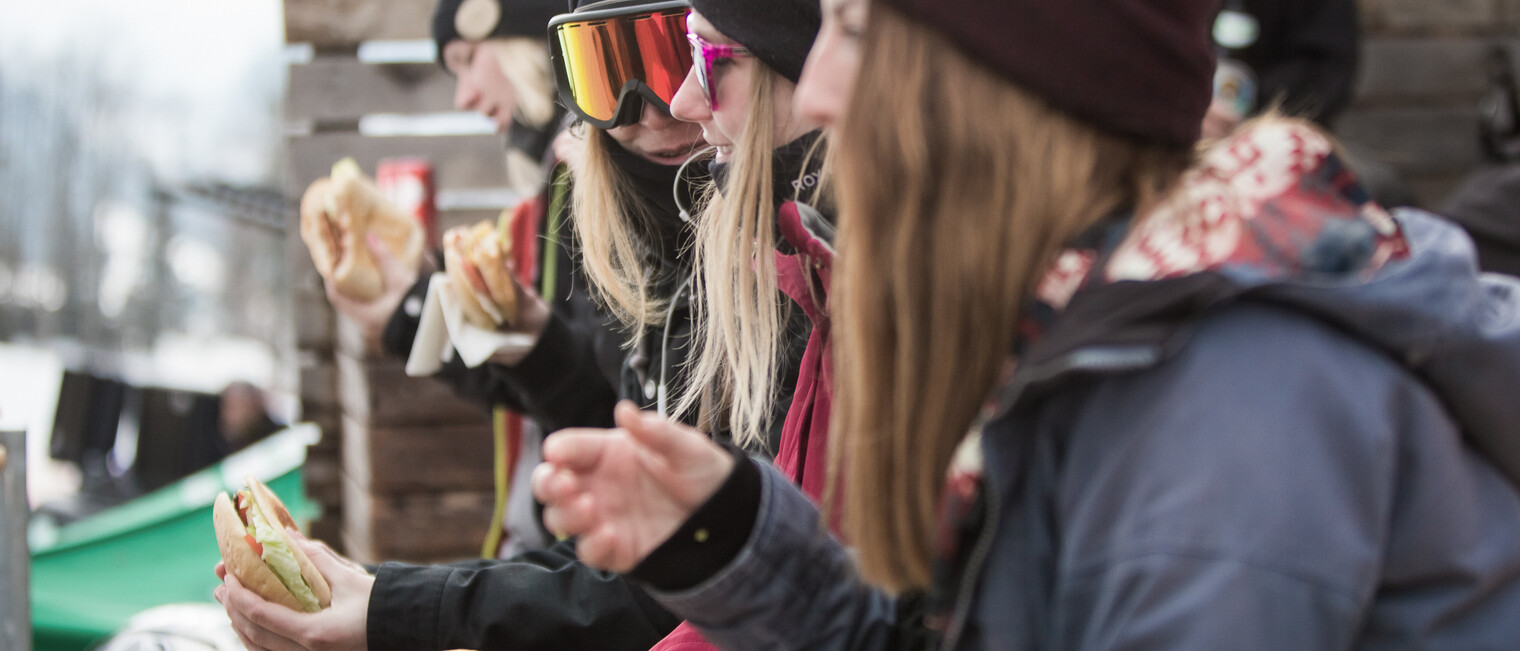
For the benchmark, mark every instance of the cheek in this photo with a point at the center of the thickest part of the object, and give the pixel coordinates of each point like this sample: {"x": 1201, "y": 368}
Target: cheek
{"x": 730, "y": 123}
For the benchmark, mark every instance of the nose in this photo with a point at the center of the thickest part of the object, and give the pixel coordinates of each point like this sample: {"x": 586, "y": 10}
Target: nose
{"x": 466, "y": 96}
{"x": 689, "y": 105}
{"x": 820, "y": 94}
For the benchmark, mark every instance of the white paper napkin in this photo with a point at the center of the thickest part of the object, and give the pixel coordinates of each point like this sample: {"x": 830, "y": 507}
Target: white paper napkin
{"x": 443, "y": 332}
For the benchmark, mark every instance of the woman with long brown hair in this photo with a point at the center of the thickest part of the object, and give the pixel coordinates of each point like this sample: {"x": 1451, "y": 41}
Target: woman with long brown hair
{"x": 1098, "y": 389}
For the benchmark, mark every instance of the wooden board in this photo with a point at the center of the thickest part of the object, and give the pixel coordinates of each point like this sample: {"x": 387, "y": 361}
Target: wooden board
{"x": 1416, "y": 141}
{"x": 1426, "y": 70}
{"x": 337, "y": 23}
{"x": 397, "y": 460}
{"x": 458, "y": 161}
{"x": 416, "y": 527}
{"x": 1438, "y": 16}
{"x": 319, "y": 382}
{"x": 379, "y": 393}
{"x": 315, "y": 320}
{"x": 343, "y": 88}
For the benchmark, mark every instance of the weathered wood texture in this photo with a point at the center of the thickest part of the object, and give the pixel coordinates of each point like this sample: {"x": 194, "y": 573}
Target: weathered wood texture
{"x": 458, "y": 161}
{"x": 404, "y": 470}
{"x": 337, "y": 23}
{"x": 379, "y": 392}
{"x": 341, "y": 87}
{"x": 400, "y": 460}
{"x": 1421, "y": 77}
{"x": 421, "y": 527}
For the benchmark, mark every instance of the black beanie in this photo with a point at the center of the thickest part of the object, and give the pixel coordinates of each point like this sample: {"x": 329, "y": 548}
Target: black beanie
{"x": 1139, "y": 67}
{"x": 778, "y": 32}
{"x": 483, "y": 19}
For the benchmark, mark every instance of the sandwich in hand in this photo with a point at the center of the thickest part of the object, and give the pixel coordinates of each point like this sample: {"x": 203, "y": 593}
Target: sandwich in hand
{"x": 476, "y": 260}
{"x": 256, "y": 549}
{"x": 336, "y": 214}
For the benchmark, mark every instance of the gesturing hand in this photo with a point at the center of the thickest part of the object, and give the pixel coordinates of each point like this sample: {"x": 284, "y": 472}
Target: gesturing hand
{"x": 625, "y": 491}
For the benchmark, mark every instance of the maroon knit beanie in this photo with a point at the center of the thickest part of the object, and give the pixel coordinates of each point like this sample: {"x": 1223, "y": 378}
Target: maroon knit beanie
{"x": 1139, "y": 67}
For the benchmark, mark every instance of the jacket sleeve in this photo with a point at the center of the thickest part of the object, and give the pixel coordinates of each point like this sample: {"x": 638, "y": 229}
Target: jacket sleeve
{"x": 1239, "y": 496}
{"x": 560, "y": 383}
{"x": 792, "y": 586}
{"x": 539, "y": 600}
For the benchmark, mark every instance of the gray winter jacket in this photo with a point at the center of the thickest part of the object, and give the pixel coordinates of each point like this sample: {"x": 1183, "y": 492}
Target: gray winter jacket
{"x": 1299, "y": 466}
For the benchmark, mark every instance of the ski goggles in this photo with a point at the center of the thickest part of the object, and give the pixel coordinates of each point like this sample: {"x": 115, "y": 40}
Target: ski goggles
{"x": 705, "y": 57}
{"x": 610, "y": 57}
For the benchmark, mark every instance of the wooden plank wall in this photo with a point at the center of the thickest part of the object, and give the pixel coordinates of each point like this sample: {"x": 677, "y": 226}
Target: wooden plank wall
{"x": 404, "y": 470}
{"x": 1422, "y": 75}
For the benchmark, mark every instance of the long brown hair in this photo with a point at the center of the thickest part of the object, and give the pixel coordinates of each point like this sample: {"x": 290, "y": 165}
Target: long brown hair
{"x": 956, "y": 190}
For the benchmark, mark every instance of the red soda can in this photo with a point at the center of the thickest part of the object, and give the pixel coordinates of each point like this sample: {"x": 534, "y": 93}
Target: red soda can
{"x": 408, "y": 184}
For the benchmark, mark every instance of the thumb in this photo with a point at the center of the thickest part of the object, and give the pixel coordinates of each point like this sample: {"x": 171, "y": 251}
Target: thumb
{"x": 659, "y": 435}
{"x": 322, "y": 556}
{"x": 390, "y": 267}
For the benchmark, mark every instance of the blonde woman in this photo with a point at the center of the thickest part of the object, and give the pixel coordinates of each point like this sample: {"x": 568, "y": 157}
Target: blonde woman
{"x": 617, "y": 231}
{"x": 1098, "y": 390}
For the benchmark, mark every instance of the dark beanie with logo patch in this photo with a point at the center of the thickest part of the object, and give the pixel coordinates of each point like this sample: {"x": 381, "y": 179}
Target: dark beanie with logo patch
{"x": 476, "y": 20}
{"x": 1143, "y": 68}
{"x": 778, "y": 32}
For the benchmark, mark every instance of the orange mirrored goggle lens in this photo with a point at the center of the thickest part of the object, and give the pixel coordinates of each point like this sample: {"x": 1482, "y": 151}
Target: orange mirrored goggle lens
{"x": 601, "y": 56}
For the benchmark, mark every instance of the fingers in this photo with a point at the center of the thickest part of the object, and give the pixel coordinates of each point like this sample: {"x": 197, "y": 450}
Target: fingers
{"x": 315, "y": 548}
{"x": 258, "y": 623}
{"x": 221, "y": 570}
{"x": 334, "y": 568}
{"x": 665, "y": 438}
{"x": 391, "y": 269}
{"x": 573, "y": 516}
{"x": 577, "y": 449}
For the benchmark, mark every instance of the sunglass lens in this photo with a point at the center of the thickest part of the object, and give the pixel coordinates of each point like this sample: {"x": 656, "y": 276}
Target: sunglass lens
{"x": 663, "y": 56}
{"x": 596, "y": 66}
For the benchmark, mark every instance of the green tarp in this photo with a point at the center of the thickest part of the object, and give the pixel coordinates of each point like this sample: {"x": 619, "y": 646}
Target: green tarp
{"x": 94, "y": 574}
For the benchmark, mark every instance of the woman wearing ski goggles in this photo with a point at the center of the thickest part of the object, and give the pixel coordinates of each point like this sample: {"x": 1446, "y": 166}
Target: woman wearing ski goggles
{"x": 611, "y": 56}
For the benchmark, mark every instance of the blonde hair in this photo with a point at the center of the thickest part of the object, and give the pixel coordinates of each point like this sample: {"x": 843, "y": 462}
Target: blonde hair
{"x": 524, "y": 62}
{"x": 608, "y": 220}
{"x": 739, "y": 314}
{"x": 956, "y": 190}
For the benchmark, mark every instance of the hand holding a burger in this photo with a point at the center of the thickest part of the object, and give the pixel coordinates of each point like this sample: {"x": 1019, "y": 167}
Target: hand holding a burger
{"x": 367, "y": 252}
{"x": 373, "y": 315}
{"x": 484, "y": 281}
{"x": 283, "y": 592}
{"x": 265, "y": 626}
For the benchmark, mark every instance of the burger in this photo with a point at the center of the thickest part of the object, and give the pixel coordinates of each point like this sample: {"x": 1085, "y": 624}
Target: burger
{"x": 475, "y": 258}
{"x": 337, "y": 213}
{"x": 250, "y": 531}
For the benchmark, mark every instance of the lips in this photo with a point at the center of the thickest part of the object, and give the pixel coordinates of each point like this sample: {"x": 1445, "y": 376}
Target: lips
{"x": 675, "y": 154}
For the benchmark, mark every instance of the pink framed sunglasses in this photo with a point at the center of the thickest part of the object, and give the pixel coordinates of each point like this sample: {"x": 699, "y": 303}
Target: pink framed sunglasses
{"x": 705, "y": 56}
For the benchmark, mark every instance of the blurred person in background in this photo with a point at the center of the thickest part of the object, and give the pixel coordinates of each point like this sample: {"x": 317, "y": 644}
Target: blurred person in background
{"x": 1297, "y": 58}
{"x": 1301, "y": 56}
{"x": 1487, "y": 203}
{"x": 1127, "y": 396}
{"x": 245, "y": 416}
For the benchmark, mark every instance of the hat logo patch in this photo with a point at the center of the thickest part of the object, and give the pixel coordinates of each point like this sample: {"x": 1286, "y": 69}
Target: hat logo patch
{"x": 476, "y": 19}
